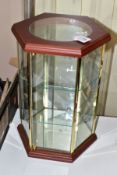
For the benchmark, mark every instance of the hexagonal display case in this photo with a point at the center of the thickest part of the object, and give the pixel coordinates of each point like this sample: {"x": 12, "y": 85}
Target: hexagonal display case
{"x": 60, "y": 63}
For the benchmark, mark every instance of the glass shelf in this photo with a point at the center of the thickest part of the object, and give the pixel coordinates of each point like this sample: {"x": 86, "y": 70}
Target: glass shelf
{"x": 54, "y": 117}
{"x": 59, "y": 117}
{"x": 59, "y": 29}
{"x": 52, "y": 129}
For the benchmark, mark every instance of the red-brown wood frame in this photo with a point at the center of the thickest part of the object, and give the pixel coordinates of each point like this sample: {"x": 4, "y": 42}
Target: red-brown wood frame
{"x": 33, "y": 44}
{"x": 52, "y": 154}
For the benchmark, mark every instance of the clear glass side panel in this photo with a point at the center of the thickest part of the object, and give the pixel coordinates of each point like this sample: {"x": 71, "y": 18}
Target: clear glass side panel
{"x": 53, "y": 93}
{"x": 23, "y": 89}
{"x": 89, "y": 78}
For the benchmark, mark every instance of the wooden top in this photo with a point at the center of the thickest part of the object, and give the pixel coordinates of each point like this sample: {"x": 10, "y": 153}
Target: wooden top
{"x": 34, "y": 44}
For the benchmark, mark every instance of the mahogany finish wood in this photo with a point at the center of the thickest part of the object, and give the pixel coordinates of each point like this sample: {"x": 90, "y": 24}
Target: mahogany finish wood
{"x": 31, "y": 43}
{"x": 54, "y": 154}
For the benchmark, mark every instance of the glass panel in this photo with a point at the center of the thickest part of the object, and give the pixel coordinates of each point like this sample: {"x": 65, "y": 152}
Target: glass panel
{"x": 53, "y": 98}
{"x": 89, "y": 78}
{"x": 63, "y": 29}
{"x": 53, "y": 130}
{"x": 37, "y": 82}
{"x": 23, "y": 85}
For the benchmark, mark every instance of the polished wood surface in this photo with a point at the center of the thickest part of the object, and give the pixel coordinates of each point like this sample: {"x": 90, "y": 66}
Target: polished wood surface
{"x": 31, "y": 43}
{"x": 54, "y": 154}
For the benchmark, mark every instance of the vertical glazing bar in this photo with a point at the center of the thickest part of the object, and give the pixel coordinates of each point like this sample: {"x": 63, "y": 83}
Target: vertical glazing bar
{"x": 29, "y": 70}
{"x": 45, "y": 94}
{"x": 75, "y": 116}
{"x": 97, "y": 94}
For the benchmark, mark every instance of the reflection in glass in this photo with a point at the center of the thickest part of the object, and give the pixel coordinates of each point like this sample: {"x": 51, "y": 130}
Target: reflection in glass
{"x": 59, "y": 29}
{"x": 89, "y": 77}
{"x": 53, "y": 99}
{"x": 53, "y": 94}
{"x": 23, "y": 85}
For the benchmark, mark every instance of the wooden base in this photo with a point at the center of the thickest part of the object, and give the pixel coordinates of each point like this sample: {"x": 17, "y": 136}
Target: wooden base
{"x": 54, "y": 154}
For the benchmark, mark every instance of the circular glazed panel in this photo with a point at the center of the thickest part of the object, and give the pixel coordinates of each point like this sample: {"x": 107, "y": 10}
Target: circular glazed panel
{"x": 59, "y": 29}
